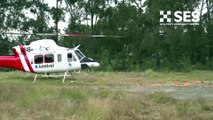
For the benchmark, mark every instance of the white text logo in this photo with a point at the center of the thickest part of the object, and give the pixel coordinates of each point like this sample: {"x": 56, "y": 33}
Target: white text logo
{"x": 179, "y": 18}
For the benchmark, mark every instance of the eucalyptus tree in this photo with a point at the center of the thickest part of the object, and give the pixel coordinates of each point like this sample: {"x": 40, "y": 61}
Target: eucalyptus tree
{"x": 23, "y": 16}
{"x": 11, "y": 18}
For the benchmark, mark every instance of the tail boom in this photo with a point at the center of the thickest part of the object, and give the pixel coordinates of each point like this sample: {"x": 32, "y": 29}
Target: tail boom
{"x": 11, "y": 62}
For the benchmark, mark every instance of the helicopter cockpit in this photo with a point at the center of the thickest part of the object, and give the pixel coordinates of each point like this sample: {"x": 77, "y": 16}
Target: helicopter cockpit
{"x": 86, "y": 62}
{"x": 79, "y": 54}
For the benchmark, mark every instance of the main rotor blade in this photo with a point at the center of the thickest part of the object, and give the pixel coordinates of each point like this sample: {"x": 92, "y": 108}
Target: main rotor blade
{"x": 14, "y": 33}
{"x": 65, "y": 35}
{"x": 39, "y": 34}
{"x": 91, "y": 36}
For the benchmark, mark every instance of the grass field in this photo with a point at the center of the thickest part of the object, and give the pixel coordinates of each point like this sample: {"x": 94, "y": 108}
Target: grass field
{"x": 100, "y": 96}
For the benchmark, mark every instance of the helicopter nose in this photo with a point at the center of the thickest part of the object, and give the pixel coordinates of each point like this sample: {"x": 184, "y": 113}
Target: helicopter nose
{"x": 95, "y": 64}
{"x": 88, "y": 63}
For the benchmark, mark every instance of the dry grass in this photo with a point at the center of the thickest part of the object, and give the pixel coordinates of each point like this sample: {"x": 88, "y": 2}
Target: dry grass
{"x": 92, "y": 97}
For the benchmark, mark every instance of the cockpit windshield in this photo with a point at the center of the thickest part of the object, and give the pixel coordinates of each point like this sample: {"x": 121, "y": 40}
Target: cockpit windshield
{"x": 79, "y": 54}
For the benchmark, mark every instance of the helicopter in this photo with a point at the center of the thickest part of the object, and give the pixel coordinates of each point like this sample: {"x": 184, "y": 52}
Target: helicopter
{"x": 45, "y": 56}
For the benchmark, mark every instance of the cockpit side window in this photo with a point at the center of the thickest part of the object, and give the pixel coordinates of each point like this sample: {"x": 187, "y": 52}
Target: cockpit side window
{"x": 79, "y": 54}
{"x": 69, "y": 57}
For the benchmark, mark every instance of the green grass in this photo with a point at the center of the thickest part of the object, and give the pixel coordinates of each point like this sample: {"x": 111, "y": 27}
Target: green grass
{"x": 99, "y": 96}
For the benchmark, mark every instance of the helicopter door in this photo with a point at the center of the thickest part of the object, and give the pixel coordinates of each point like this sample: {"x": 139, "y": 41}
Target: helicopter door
{"x": 72, "y": 62}
{"x": 60, "y": 62}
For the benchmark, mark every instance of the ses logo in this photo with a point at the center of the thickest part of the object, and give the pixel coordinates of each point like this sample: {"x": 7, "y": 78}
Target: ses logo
{"x": 179, "y": 18}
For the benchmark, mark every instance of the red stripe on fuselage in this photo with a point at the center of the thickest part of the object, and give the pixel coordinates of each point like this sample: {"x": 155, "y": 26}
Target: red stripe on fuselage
{"x": 26, "y": 58}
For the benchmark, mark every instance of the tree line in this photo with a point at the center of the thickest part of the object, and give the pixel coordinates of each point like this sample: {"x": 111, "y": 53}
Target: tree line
{"x": 145, "y": 43}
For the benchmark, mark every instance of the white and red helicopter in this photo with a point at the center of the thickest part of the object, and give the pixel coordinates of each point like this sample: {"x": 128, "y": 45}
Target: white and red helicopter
{"x": 45, "y": 56}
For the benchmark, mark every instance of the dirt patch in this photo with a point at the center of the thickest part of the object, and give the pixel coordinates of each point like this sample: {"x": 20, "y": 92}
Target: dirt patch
{"x": 178, "y": 92}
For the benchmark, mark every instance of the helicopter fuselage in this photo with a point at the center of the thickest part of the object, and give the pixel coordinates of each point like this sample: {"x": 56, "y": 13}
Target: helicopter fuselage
{"x": 45, "y": 56}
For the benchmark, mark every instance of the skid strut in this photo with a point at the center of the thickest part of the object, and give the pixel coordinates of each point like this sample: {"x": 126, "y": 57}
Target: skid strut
{"x": 65, "y": 74}
{"x": 35, "y": 77}
{"x": 64, "y": 77}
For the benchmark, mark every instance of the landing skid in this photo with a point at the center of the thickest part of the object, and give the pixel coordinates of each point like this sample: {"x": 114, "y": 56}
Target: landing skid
{"x": 47, "y": 75}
